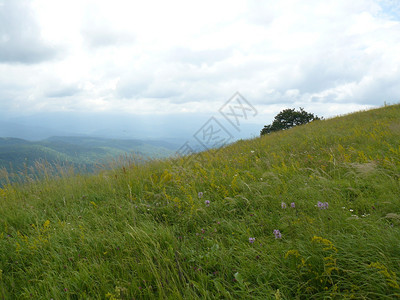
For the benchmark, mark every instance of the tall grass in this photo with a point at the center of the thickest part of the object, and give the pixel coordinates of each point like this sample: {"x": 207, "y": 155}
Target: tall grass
{"x": 204, "y": 227}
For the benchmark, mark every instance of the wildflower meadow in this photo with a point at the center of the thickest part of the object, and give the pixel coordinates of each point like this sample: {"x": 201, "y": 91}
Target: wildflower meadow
{"x": 312, "y": 212}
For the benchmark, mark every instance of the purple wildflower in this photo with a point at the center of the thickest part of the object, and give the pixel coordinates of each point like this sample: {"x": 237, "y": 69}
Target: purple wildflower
{"x": 283, "y": 205}
{"x": 323, "y": 205}
{"x": 251, "y": 240}
{"x": 207, "y": 202}
{"x": 292, "y": 205}
{"x": 200, "y": 195}
{"x": 277, "y": 234}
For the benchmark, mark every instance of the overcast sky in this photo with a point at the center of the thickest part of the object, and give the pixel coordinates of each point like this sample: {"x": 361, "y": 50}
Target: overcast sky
{"x": 182, "y": 57}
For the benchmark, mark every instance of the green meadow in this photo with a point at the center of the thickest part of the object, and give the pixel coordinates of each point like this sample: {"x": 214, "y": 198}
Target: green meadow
{"x": 312, "y": 212}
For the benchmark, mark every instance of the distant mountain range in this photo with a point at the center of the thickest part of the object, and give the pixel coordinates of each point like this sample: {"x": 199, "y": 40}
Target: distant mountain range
{"x": 173, "y": 127}
{"x": 122, "y": 126}
{"x": 81, "y": 152}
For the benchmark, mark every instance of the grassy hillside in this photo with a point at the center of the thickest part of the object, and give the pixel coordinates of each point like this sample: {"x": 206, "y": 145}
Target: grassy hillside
{"x": 312, "y": 212}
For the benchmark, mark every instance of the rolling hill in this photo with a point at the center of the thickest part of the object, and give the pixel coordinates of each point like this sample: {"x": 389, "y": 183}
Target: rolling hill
{"x": 83, "y": 153}
{"x": 78, "y": 149}
{"x": 312, "y": 212}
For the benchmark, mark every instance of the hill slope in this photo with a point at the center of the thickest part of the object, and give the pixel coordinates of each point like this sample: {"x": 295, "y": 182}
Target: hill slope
{"x": 310, "y": 212}
{"x": 84, "y": 153}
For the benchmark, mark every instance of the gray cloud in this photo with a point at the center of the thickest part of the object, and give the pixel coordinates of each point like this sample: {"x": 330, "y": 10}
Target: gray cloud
{"x": 341, "y": 55}
{"x": 20, "y": 35}
{"x": 133, "y": 85}
{"x": 61, "y": 92}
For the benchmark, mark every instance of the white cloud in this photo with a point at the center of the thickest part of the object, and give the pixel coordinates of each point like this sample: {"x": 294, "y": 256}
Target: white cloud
{"x": 155, "y": 57}
{"x": 20, "y": 40}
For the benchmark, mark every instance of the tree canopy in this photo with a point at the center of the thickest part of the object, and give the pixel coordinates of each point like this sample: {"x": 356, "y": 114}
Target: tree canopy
{"x": 289, "y": 118}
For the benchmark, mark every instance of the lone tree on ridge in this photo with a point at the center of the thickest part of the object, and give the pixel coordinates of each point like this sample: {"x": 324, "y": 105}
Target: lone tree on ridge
{"x": 289, "y": 118}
